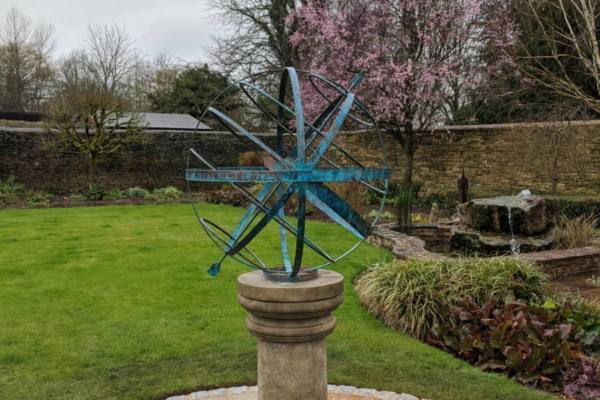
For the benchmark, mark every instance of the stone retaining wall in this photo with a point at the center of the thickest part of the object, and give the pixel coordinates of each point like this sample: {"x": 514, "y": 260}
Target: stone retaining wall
{"x": 558, "y": 263}
{"x": 566, "y": 262}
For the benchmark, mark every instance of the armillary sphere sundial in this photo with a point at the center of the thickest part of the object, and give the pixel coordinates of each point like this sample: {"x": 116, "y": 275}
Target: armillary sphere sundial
{"x": 305, "y": 164}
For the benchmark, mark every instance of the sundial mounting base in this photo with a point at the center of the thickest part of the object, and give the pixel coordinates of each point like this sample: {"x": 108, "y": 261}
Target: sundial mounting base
{"x": 281, "y": 275}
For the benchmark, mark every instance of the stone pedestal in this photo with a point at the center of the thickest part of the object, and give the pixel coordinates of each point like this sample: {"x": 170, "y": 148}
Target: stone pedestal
{"x": 291, "y": 322}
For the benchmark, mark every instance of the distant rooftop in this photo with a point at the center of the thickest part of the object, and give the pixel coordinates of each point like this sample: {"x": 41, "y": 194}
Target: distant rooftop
{"x": 177, "y": 122}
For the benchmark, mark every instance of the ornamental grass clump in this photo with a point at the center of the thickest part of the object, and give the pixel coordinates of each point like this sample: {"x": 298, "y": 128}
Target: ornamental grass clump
{"x": 415, "y": 296}
{"x": 575, "y": 232}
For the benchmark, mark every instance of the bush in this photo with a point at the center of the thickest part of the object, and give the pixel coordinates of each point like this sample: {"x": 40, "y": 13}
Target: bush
{"x": 95, "y": 192}
{"x": 576, "y": 232}
{"x": 227, "y": 195}
{"x": 38, "y": 198}
{"x": 167, "y": 193}
{"x": 383, "y": 216}
{"x": 10, "y": 191}
{"x": 417, "y": 295}
{"x": 77, "y": 197}
{"x": 445, "y": 201}
{"x": 115, "y": 194}
{"x": 528, "y": 342}
{"x": 585, "y": 318}
{"x": 575, "y": 207}
{"x": 138, "y": 193}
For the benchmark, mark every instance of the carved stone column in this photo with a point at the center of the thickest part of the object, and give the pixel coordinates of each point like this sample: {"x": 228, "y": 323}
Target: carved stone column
{"x": 291, "y": 322}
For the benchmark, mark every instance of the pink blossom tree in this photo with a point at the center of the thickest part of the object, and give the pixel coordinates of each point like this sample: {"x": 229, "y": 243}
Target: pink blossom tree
{"x": 420, "y": 57}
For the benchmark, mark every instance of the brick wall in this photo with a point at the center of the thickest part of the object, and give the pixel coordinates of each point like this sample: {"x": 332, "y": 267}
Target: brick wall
{"x": 497, "y": 157}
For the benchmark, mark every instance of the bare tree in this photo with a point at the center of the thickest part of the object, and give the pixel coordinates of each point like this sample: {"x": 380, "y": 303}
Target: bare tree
{"x": 111, "y": 57}
{"x": 93, "y": 123}
{"x": 561, "y": 143}
{"x": 25, "y": 70}
{"x": 259, "y": 38}
{"x": 150, "y": 76}
{"x": 91, "y": 112}
{"x": 567, "y": 48}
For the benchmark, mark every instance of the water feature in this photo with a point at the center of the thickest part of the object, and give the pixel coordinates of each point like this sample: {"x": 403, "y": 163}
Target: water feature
{"x": 504, "y": 225}
{"x": 515, "y": 247}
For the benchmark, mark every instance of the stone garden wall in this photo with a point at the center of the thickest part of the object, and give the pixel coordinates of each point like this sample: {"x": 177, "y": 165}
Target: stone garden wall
{"x": 505, "y": 158}
{"x": 497, "y": 157}
{"x": 159, "y": 162}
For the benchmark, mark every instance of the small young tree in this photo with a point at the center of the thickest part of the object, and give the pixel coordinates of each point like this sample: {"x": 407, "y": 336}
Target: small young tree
{"x": 414, "y": 53}
{"x": 89, "y": 113}
{"x": 93, "y": 123}
{"x": 555, "y": 145}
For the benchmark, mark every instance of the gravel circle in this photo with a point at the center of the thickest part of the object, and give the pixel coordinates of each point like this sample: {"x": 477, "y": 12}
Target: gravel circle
{"x": 335, "y": 393}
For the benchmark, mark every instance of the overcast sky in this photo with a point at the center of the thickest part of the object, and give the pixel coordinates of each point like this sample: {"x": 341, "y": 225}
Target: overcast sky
{"x": 182, "y": 28}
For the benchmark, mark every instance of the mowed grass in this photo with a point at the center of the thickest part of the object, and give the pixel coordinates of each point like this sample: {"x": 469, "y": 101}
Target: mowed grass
{"x": 114, "y": 303}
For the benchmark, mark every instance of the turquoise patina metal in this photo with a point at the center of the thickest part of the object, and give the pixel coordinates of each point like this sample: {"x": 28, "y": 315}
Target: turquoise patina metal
{"x": 302, "y": 170}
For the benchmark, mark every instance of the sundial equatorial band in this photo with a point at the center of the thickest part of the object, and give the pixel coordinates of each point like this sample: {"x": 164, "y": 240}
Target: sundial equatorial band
{"x": 302, "y": 173}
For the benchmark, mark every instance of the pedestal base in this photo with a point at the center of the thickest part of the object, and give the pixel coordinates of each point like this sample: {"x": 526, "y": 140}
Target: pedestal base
{"x": 291, "y": 321}
{"x": 298, "y": 369}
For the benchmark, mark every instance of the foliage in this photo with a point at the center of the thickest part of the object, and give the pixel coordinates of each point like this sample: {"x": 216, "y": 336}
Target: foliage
{"x": 192, "y": 91}
{"x": 77, "y": 197}
{"x": 572, "y": 207}
{"x": 384, "y": 215}
{"x": 10, "y": 190}
{"x": 421, "y": 219}
{"x": 416, "y": 55}
{"x": 225, "y": 195}
{"x": 582, "y": 380}
{"x": 417, "y": 295}
{"x": 115, "y": 194}
{"x": 405, "y": 198}
{"x": 38, "y": 198}
{"x": 95, "y": 192}
{"x": 576, "y": 232}
{"x": 528, "y": 342}
{"x": 138, "y": 193}
{"x": 167, "y": 193}
{"x": 584, "y": 316}
{"x": 446, "y": 200}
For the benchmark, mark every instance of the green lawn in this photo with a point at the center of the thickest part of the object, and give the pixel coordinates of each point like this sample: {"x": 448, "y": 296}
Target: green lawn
{"x": 114, "y": 303}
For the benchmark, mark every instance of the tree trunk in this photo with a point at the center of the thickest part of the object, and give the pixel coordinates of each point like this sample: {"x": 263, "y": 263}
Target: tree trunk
{"x": 92, "y": 166}
{"x": 410, "y": 146}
